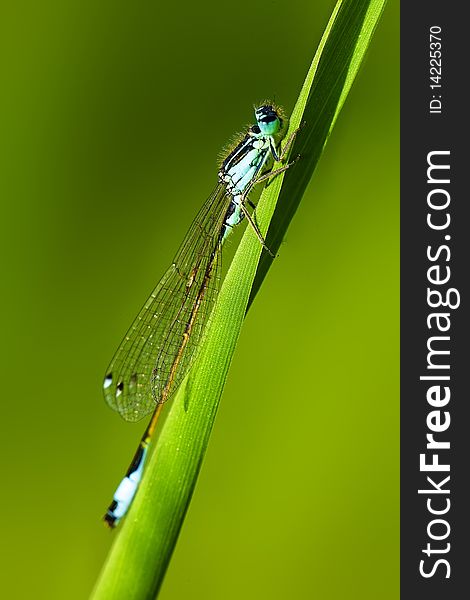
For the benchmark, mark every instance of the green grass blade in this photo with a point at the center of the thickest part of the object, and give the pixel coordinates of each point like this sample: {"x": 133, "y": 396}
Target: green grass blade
{"x": 139, "y": 557}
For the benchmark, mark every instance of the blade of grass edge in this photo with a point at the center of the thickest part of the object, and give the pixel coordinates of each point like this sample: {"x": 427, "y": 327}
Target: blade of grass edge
{"x": 336, "y": 68}
{"x": 138, "y": 559}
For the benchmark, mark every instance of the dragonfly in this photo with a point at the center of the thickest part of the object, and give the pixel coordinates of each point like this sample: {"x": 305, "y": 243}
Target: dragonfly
{"x": 161, "y": 344}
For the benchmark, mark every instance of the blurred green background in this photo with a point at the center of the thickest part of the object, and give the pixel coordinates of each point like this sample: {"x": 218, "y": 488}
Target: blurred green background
{"x": 112, "y": 115}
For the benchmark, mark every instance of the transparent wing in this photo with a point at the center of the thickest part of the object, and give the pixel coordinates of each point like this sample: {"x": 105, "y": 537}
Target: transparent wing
{"x": 160, "y": 345}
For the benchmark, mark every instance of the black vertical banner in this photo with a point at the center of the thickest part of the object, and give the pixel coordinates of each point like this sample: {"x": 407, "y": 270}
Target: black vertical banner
{"x": 435, "y": 333}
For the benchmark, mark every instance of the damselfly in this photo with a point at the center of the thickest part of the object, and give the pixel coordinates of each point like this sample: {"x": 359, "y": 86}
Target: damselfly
{"x": 159, "y": 347}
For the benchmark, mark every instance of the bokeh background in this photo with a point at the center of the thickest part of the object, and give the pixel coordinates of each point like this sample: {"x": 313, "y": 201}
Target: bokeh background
{"x": 112, "y": 115}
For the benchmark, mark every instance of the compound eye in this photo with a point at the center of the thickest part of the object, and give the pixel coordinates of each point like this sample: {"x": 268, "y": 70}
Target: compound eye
{"x": 255, "y": 129}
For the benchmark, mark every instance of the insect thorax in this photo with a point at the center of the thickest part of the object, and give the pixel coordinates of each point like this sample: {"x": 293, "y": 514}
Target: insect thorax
{"x": 243, "y": 162}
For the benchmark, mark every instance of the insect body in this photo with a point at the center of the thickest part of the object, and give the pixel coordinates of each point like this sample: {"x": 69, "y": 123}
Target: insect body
{"x": 161, "y": 344}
